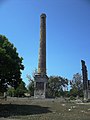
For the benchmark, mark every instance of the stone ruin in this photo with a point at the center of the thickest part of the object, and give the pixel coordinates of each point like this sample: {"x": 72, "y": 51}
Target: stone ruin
{"x": 86, "y": 82}
{"x": 40, "y": 79}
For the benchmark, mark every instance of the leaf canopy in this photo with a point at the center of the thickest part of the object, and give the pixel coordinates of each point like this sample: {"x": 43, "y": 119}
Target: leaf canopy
{"x": 10, "y": 64}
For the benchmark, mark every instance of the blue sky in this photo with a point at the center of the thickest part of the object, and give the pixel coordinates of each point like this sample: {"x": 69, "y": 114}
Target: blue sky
{"x": 68, "y": 33}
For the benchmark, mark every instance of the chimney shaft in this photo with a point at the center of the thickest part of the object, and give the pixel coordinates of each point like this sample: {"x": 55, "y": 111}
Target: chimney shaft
{"x": 42, "y": 49}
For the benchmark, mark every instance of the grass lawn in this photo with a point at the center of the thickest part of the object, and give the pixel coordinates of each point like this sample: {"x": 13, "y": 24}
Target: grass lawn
{"x": 48, "y": 109}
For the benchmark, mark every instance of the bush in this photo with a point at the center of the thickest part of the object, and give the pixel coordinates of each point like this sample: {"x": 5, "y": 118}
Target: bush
{"x": 72, "y": 98}
{"x": 11, "y": 92}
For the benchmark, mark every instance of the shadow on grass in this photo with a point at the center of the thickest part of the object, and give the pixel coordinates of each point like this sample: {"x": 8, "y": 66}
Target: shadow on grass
{"x": 7, "y": 110}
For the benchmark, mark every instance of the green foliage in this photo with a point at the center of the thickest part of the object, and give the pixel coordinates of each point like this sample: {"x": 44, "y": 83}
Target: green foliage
{"x": 72, "y": 98}
{"x": 31, "y": 83}
{"x": 10, "y": 64}
{"x": 18, "y": 92}
{"x": 55, "y": 86}
{"x": 74, "y": 92}
{"x": 76, "y": 86}
{"x": 11, "y": 92}
{"x": 66, "y": 93}
{"x": 21, "y": 89}
{"x": 31, "y": 88}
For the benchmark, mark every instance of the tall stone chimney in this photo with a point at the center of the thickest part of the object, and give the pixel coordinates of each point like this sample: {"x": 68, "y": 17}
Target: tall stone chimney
{"x": 85, "y": 80}
{"x": 42, "y": 49}
{"x": 40, "y": 79}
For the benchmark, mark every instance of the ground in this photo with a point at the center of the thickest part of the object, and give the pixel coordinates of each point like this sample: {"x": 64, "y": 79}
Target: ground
{"x": 43, "y": 109}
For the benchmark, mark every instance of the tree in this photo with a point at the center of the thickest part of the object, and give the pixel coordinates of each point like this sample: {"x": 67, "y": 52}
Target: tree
{"x": 10, "y": 64}
{"x": 76, "y": 85}
{"x": 11, "y": 92}
{"x": 31, "y": 88}
{"x": 56, "y": 85}
{"x": 20, "y": 90}
{"x": 31, "y": 84}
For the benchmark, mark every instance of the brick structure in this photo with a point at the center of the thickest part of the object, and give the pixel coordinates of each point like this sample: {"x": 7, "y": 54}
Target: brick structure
{"x": 42, "y": 49}
{"x": 41, "y": 77}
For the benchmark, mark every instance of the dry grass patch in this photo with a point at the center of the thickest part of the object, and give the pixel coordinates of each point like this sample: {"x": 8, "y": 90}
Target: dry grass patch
{"x": 48, "y": 109}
